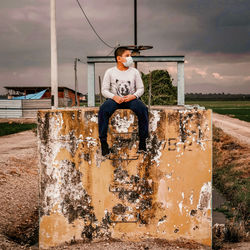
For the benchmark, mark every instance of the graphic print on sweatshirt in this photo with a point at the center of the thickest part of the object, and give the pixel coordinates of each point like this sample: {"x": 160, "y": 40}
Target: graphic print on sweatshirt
{"x": 123, "y": 87}
{"x": 121, "y": 83}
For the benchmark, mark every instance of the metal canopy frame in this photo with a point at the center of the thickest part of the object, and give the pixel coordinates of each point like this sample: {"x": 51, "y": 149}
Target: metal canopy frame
{"x": 92, "y": 60}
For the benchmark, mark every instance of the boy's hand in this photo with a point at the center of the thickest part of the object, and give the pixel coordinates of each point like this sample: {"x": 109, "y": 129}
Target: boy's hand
{"x": 129, "y": 98}
{"x": 118, "y": 99}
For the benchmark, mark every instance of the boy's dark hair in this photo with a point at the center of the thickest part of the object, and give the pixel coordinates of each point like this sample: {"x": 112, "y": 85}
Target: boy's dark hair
{"x": 119, "y": 51}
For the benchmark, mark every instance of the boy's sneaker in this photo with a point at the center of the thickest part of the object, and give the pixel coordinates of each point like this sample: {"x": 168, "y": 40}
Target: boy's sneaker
{"x": 105, "y": 148}
{"x": 142, "y": 146}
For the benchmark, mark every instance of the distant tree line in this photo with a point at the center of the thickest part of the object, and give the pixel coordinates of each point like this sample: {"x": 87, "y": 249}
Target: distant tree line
{"x": 216, "y": 97}
{"x": 3, "y": 97}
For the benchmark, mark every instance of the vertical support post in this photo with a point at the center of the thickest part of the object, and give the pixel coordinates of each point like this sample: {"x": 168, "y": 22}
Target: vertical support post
{"x": 76, "y": 82}
{"x": 150, "y": 91}
{"x": 135, "y": 22}
{"x": 91, "y": 84}
{"x": 180, "y": 83}
{"x": 135, "y": 26}
{"x": 54, "y": 67}
{"x": 100, "y": 89}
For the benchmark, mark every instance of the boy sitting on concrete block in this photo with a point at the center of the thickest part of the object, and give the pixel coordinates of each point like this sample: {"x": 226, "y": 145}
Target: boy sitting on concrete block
{"x": 122, "y": 86}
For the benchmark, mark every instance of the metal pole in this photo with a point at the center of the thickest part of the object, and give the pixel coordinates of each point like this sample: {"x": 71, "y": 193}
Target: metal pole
{"x": 76, "y": 82}
{"x": 91, "y": 84}
{"x": 180, "y": 83}
{"x": 135, "y": 26}
{"x": 100, "y": 89}
{"x": 135, "y": 21}
{"x": 54, "y": 67}
{"x": 150, "y": 91}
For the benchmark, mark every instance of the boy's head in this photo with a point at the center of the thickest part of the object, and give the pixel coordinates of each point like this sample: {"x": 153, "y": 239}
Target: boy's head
{"x": 121, "y": 52}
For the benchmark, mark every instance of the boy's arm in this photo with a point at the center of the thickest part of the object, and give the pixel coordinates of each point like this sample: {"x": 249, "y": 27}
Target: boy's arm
{"x": 106, "y": 86}
{"x": 139, "y": 85}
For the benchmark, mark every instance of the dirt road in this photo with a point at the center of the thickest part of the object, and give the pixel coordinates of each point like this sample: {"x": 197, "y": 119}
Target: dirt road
{"x": 18, "y": 145}
{"x": 19, "y": 189}
{"x": 234, "y": 127}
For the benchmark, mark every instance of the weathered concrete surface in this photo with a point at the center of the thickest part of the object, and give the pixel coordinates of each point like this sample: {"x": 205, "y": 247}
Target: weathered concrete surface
{"x": 165, "y": 194}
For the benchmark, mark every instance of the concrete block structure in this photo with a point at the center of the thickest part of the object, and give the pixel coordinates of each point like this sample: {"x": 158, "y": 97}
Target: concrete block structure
{"x": 164, "y": 194}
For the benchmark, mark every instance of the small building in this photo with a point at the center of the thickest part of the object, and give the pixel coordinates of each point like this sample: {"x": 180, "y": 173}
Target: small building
{"x": 66, "y": 96}
{"x": 25, "y": 101}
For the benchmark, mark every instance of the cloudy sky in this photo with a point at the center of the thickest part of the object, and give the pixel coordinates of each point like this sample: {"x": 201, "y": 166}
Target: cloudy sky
{"x": 214, "y": 36}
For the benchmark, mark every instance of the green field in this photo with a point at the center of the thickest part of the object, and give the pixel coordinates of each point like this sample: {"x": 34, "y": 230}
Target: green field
{"x": 235, "y": 109}
{"x": 11, "y": 128}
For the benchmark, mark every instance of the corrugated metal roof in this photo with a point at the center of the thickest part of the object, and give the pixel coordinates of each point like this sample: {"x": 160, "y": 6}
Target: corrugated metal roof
{"x": 36, "y": 88}
{"x": 31, "y": 96}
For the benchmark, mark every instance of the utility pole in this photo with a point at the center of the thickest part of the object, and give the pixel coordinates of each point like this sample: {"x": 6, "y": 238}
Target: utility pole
{"x": 135, "y": 22}
{"x": 135, "y": 26}
{"x": 76, "y": 82}
{"x": 54, "y": 67}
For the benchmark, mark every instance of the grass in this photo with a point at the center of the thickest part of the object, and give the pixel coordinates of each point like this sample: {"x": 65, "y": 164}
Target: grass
{"x": 226, "y": 210}
{"x": 236, "y": 109}
{"x": 12, "y": 128}
{"x": 228, "y": 177}
{"x": 231, "y": 178}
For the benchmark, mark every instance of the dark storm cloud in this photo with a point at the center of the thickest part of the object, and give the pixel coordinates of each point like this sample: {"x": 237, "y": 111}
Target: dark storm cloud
{"x": 206, "y": 26}
{"x": 224, "y": 27}
{"x": 214, "y": 36}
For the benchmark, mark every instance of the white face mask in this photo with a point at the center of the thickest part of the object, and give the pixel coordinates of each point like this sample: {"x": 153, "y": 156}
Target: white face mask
{"x": 129, "y": 61}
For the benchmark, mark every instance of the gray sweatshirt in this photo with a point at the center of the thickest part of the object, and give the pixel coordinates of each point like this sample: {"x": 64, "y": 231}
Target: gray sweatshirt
{"x": 122, "y": 83}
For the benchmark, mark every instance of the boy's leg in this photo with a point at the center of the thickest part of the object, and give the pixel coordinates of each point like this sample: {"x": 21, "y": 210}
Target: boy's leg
{"x": 141, "y": 110}
{"x": 105, "y": 111}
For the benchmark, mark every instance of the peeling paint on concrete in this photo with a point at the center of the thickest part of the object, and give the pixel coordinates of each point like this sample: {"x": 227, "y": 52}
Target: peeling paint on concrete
{"x": 157, "y": 151}
{"x": 180, "y": 206}
{"x": 191, "y": 199}
{"x": 205, "y": 197}
{"x": 163, "y": 194}
{"x": 91, "y": 141}
{"x": 94, "y": 119}
{"x": 162, "y": 197}
{"x": 162, "y": 220}
{"x": 154, "y": 120}
{"x": 122, "y": 124}
{"x": 169, "y": 176}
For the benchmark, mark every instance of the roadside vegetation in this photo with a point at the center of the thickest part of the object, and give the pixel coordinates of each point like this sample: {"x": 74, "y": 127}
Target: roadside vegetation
{"x": 231, "y": 176}
{"x": 8, "y": 128}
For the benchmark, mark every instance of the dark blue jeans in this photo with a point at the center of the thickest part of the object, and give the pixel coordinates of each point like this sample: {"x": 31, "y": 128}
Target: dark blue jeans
{"x": 110, "y": 106}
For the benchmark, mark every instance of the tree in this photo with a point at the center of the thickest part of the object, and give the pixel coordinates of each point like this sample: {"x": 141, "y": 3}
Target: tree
{"x": 163, "y": 92}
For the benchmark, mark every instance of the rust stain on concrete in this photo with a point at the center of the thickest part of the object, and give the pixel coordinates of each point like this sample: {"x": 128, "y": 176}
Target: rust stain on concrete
{"x": 164, "y": 194}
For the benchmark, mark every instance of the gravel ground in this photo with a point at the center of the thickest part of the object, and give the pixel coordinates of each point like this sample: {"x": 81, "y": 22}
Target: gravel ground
{"x": 19, "y": 189}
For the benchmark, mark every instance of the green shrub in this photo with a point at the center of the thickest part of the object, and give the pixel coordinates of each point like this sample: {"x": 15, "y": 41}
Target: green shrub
{"x": 163, "y": 92}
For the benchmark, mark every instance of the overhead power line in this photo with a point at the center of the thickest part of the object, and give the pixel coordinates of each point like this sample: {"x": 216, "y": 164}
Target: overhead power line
{"x": 92, "y": 26}
{"x": 111, "y": 52}
{"x": 113, "y": 49}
